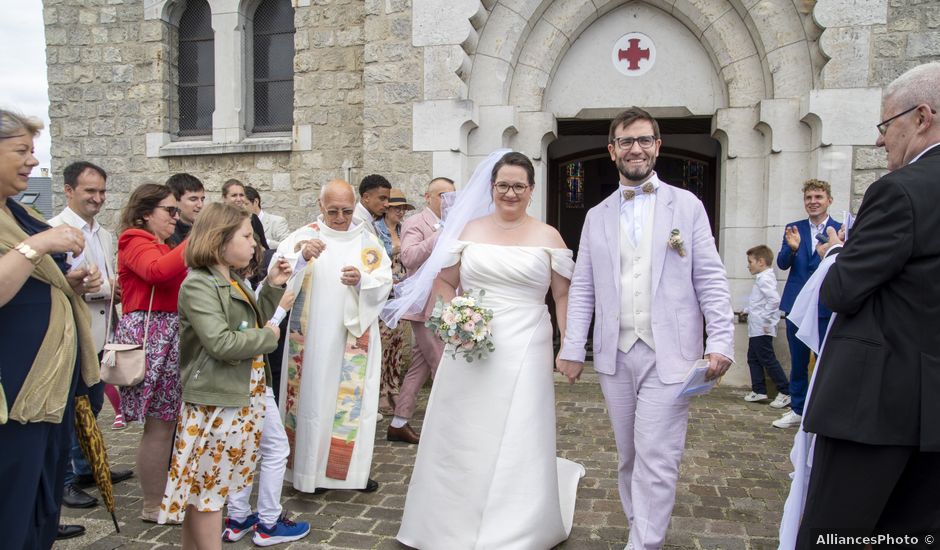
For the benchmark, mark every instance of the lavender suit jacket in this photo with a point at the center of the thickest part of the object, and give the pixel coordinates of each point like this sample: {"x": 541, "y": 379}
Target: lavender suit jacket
{"x": 417, "y": 242}
{"x": 685, "y": 288}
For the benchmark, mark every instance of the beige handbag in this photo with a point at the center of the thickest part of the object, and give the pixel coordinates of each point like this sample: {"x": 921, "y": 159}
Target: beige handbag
{"x": 124, "y": 364}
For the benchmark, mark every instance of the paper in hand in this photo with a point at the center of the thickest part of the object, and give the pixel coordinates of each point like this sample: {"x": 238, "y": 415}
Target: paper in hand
{"x": 694, "y": 382}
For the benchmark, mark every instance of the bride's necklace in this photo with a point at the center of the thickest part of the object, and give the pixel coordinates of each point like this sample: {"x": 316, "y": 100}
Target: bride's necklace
{"x": 510, "y": 227}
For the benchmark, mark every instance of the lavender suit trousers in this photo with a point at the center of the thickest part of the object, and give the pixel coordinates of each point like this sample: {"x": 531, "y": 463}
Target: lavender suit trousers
{"x": 649, "y": 427}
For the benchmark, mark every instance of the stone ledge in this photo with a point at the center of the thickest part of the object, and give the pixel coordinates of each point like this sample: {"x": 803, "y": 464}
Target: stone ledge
{"x": 161, "y": 145}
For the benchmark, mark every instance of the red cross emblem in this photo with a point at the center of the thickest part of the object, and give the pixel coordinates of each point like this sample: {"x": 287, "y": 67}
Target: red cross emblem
{"x": 633, "y": 54}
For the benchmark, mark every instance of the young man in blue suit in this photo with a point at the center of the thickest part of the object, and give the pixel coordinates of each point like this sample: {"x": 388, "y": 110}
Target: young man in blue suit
{"x": 798, "y": 254}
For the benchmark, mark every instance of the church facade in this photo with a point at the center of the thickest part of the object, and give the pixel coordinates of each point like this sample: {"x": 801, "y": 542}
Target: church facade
{"x": 754, "y": 96}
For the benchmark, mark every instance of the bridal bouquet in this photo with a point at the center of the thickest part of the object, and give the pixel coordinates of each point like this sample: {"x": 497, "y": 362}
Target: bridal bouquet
{"x": 463, "y": 325}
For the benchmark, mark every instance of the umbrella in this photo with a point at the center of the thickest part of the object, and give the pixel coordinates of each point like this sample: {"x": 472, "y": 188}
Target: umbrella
{"x": 92, "y": 444}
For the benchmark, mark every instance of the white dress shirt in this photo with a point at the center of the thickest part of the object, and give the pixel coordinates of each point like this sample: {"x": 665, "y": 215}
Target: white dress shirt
{"x": 634, "y": 211}
{"x": 763, "y": 305}
{"x": 817, "y": 229}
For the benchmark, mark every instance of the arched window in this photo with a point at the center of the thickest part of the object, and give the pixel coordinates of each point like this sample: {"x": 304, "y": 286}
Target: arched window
{"x": 273, "y": 66}
{"x": 196, "y": 70}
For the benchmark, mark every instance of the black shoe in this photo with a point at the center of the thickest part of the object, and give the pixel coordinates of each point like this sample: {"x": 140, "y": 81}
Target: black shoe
{"x": 371, "y": 487}
{"x": 73, "y": 497}
{"x": 69, "y": 532}
{"x": 117, "y": 476}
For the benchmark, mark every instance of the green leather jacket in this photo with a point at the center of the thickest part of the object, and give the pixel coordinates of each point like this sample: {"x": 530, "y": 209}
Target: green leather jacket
{"x": 218, "y": 338}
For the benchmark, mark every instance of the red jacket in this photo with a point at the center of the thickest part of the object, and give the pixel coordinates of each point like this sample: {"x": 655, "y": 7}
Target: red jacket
{"x": 142, "y": 264}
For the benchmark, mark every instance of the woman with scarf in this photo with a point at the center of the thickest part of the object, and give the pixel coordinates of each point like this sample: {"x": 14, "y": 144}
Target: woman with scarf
{"x": 47, "y": 346}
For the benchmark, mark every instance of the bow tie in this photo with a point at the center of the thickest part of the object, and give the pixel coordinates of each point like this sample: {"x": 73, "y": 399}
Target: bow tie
{"x": 631, "y": 192}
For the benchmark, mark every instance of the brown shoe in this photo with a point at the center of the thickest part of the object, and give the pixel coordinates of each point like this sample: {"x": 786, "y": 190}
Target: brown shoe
{"x": 404, "y": 434}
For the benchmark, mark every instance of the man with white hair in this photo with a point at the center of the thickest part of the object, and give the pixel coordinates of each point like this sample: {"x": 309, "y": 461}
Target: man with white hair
{"x": 875, "y": 404}
{"x": 330, "y": 385}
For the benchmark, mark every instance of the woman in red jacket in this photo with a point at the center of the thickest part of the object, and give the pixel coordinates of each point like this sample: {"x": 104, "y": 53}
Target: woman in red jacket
{"x": 147, "y": 266}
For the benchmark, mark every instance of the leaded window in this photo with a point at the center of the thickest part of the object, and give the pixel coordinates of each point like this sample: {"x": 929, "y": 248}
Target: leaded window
{"x": 196, "y": 70}
{"x": 273, "y": 66}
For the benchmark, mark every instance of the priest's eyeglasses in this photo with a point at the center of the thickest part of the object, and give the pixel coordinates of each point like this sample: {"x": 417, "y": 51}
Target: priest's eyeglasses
{"x": 346, "y": 212}
{"x": 883, "y": 125}
{"x": 503, "y": 187}
{"x": 627, "y": 142}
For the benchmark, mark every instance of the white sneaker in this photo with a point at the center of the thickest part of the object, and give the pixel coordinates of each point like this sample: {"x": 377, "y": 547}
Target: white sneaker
{"x": 751, "y": 397}
{"x": 781, "y": 401}
{"x": 788, "y": 420}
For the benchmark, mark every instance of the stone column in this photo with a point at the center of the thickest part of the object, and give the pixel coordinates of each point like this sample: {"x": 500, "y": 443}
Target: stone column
{"x": 228, "y": 119}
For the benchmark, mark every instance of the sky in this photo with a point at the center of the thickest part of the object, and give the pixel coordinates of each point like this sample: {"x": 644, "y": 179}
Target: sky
{"x": 23, "y": 85}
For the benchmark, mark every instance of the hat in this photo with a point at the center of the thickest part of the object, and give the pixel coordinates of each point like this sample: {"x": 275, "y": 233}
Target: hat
{"x": 397, "y": 198}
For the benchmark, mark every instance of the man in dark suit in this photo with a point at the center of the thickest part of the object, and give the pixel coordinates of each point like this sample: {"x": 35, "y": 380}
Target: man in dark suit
{"x": 875, "y": 405}
{"x": 798, "y": 254}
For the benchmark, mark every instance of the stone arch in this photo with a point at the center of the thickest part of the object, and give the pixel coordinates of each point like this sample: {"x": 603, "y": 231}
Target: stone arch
{"x": 766, "y": 47}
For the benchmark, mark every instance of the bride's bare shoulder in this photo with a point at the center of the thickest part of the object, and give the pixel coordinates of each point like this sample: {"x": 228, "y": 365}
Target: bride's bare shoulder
{"x": 474, "y": 230}
{"x": 548, "y": 236}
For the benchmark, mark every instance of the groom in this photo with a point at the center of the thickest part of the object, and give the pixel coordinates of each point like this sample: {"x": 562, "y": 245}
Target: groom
{"x": 648, "y": 271}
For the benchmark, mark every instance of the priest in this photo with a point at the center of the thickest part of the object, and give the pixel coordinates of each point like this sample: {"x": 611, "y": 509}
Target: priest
{"x": 333, "y": 358}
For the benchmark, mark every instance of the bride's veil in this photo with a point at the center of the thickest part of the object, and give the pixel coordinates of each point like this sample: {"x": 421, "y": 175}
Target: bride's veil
{"x": 473, "y": 201}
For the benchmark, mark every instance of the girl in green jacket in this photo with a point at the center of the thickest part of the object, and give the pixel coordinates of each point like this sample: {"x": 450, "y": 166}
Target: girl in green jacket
{"x": 223, "y": 339}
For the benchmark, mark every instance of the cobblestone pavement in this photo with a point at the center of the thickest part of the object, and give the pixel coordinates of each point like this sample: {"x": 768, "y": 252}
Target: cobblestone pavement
{"x": 732, "y": 485}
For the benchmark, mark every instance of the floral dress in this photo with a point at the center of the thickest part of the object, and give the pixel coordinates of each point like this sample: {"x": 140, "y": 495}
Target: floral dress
{"x": 216, "y": 451}
{"x": 394, "y": 344}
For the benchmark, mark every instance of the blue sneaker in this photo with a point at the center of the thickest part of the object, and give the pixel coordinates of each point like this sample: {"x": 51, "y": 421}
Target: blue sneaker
{"x": 236, "y": 530}
{"x": 284, "y": 530}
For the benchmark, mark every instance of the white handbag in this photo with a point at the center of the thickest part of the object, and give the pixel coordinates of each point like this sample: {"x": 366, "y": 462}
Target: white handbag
{"x": 124, "y": 364}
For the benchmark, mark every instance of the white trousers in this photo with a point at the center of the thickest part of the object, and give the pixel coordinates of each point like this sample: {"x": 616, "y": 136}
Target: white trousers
{"x": 274, "y": 451}
{"x": 649, "y": 427}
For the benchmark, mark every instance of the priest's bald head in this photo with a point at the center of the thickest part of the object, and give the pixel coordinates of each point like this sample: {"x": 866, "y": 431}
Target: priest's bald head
{"x": 337, "y": 204}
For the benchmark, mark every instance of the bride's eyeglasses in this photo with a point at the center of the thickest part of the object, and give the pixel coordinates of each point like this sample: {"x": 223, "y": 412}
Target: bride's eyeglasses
{"x": 502, "y": 187}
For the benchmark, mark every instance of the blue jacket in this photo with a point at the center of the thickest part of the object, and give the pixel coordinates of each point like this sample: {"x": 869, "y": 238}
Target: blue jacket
{"x": 802, "y": 264}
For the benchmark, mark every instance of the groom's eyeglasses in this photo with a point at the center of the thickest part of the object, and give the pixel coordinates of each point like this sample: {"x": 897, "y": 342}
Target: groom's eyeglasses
{"x": 502, "y": 187}
{"x": 627, "y": 142}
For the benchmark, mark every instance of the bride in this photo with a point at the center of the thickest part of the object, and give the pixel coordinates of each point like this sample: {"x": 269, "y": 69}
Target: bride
{"x": 486, "y": 474}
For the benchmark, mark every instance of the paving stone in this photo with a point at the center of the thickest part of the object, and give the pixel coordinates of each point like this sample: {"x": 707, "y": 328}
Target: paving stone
{"x": 730, "y": 493}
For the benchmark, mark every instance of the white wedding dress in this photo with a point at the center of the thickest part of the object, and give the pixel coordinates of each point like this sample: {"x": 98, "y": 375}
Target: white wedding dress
{"x": 486, "y": 475}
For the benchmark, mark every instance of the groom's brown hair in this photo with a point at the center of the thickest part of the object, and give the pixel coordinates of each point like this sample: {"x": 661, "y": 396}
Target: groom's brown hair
{"x": 627, "y": 118}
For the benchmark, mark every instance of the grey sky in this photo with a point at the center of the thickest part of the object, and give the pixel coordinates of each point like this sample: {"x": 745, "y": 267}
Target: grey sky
{"x": 23, "y": 85}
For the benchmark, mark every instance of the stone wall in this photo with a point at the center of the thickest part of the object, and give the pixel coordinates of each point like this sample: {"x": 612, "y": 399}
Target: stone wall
{"x": 106, "y": 70}
{"x": 393, "y": 76}
{"x": 111, "y": 81}
{"x": 910, "y": 37}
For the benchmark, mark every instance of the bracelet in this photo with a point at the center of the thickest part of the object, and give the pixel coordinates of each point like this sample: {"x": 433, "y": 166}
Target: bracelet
{"x": 31, "y": 254}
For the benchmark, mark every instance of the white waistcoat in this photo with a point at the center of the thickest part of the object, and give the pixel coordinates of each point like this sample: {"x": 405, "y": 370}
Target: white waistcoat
{"x": 636, "y": 284}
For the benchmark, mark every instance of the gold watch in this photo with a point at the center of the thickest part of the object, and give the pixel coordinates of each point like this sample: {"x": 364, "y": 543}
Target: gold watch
{"x": 28, "y": 251}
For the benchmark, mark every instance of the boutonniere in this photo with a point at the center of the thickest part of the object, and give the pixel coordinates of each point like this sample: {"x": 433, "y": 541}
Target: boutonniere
{"x": 676, "y": 243}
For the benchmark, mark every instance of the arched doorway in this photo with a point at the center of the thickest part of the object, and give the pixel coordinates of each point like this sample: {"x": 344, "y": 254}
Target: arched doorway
{"x": 581, "y": 174}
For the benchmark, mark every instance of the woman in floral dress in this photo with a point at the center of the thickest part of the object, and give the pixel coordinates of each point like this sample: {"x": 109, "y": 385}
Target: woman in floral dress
{"x": 395, "y": 341}
{"x": 150, "y": 275}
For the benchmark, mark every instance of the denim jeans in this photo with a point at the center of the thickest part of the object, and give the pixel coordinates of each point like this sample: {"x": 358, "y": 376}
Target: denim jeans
{"x": 760, "y": 358}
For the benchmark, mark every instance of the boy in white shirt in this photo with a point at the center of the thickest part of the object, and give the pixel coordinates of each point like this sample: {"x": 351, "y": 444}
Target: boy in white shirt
{"x": 763, "y": 314}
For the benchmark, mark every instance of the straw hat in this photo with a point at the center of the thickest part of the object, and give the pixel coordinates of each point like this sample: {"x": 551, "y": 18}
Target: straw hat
{"x": 397, "y": 198}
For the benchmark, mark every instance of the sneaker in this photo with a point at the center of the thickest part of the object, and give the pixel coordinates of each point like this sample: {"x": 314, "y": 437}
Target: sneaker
{"x": 119, "y": 423}
{"x": 284, "y": 530}
{"x": 236, "y": 530}
{"x": 751, "y": 397}
{"x": 788, "y": 420}
{"x": 781, "y": 401}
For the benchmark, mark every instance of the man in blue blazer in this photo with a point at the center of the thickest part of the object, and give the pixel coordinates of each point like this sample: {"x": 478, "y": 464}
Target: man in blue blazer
{"x": 798, "y": 254}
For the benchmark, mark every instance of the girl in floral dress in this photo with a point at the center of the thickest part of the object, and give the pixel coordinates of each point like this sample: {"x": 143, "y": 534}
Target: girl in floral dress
{"x": 223, "y": 339}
